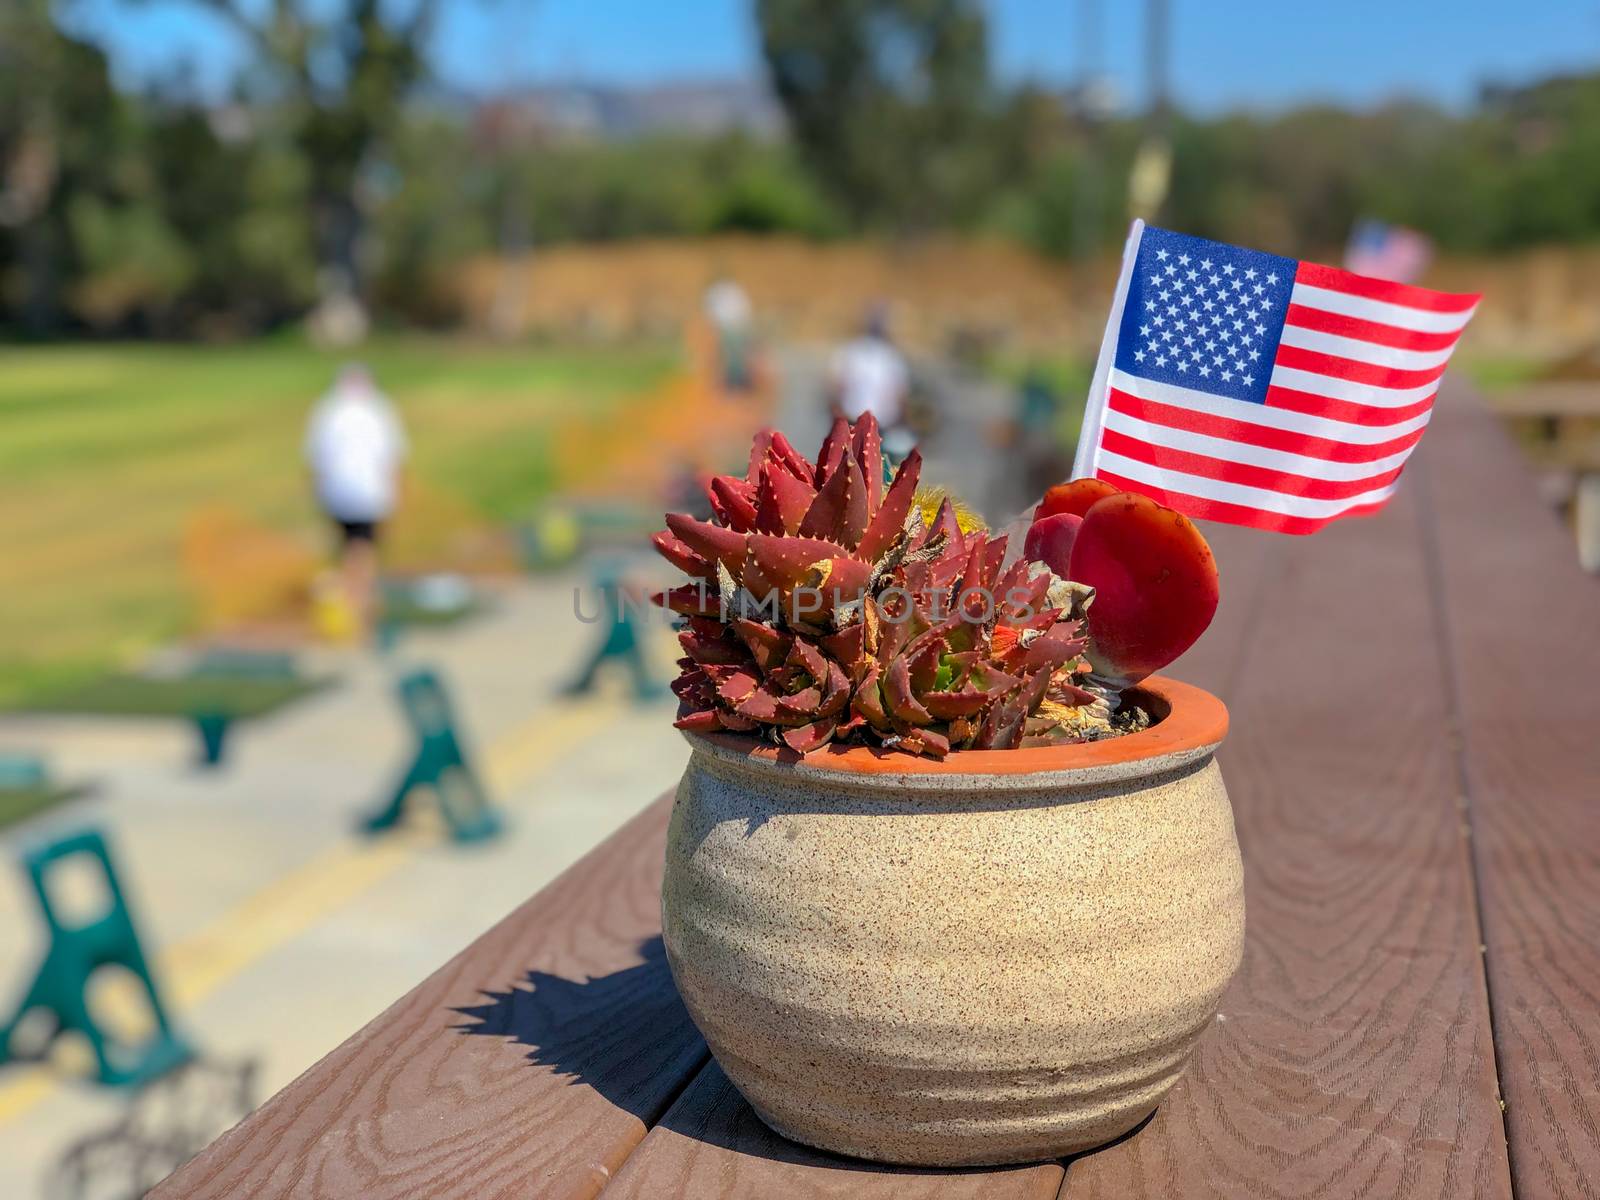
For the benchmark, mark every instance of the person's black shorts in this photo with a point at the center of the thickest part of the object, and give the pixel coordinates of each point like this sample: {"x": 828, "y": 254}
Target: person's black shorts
{"x": 357, "y": 531}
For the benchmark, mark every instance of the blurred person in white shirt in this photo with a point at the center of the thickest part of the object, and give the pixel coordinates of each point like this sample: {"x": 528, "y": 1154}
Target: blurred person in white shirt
{"x": 869, "y": 374}
{"x": 727, "y": 307}
{"x": 355, "y": 448}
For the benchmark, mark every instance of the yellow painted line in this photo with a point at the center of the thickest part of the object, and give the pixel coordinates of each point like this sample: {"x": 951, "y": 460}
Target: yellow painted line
{"x": 541, "y": 739}
{"x": 195, "y": 967}
{"x": 32, "y": 1085}
{"x": 190, "y": 970}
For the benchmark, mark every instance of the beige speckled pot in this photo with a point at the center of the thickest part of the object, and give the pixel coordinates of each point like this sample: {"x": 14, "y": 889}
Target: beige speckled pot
{"x": 1004, "y": 957}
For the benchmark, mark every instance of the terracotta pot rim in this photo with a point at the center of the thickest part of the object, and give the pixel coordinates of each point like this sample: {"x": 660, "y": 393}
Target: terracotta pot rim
{"x": 1191, "y": 723}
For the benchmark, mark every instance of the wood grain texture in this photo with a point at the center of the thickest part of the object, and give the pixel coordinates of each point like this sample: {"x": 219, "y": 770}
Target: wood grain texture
{"x": 712, "y": 1146}
{"x": 530, "y": 1065}
{"x": 1523, "y": 629}
{"x": 1352, "y": 1056}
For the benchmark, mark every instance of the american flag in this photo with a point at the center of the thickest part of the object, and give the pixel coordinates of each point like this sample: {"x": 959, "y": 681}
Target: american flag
{"x": 1257, "y": 390}
{"x": 1387, "y": 251}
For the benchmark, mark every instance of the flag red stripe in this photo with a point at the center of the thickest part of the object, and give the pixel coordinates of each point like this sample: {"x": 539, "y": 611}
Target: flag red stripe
{"x": 1368, "y": 331}
{"x": 1246, "y": 474}
{"x": 1265, "y": 436}
{"x": 1232, "y": 514}
{"x": 1337, "y": 280}
{"x": 1347, "y": 411}
{"x": 1338, "y": 367}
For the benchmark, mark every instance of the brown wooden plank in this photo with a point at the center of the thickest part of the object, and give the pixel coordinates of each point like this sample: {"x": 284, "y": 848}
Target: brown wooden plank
{"x": 1523, "y": 632}
{"x": 571, "y": 1073}
{"x": 712, "y": 1146}
{"x": 1352, "y": 1056}
{"x": 1246, "y": 565}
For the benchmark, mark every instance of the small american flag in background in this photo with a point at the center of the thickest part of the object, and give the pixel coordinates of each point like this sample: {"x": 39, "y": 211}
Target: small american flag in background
{"x": 1257, "y": 390}
{"x": 1387, "y": 251}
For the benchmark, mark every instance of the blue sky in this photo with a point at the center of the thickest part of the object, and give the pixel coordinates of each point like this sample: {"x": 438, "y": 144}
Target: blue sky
{"x": 1225, "y": 53}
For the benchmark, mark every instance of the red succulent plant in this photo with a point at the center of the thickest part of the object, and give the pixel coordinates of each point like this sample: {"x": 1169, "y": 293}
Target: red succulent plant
{"x": 824, "y": 607}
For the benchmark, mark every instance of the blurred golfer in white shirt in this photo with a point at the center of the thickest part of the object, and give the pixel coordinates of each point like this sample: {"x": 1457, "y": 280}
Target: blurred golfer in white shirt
{"x": 869, "y": 375}
{"x": 355, "y": 447}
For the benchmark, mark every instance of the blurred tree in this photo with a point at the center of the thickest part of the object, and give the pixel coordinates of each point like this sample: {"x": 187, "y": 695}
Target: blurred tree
{"x": 889, "y": 101}
{"x": 343, "y": 73}
{"x": 60, "y": 123}
{"x": 171, "y": 213}
{"x": 447, "y": 211}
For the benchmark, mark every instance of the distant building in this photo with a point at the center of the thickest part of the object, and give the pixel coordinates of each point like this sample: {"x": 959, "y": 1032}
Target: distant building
{"x": 604, "y": 112}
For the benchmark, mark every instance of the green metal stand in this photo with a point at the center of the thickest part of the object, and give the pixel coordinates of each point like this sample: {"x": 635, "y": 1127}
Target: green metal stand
{"x": 620, "y": 640}
{"x": 440, "y": 764}
{"x": 213, "y": 730}
{"x": 61, "y": 985}
{"x": 233, "y": 664}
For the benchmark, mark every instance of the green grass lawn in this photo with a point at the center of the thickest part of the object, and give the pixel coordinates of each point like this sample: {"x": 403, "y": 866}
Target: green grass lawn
{"x": 107, "y": 450}
{"x": 186, "y": 696}
{"x": 18, "y": 804}
{"x": 1499, "y": 372}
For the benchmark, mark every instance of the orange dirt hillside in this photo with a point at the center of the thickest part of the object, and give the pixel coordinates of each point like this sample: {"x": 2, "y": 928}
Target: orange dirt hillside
{"x": 1540, "y": 302}
{"x": 803, "y": 290}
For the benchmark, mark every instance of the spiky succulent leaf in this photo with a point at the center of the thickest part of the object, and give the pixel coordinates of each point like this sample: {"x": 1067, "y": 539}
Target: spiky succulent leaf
{"x": 833, "y": 450}
{"x": 714, "y": 543}
{"x": 890, "y": 521}
{"x": 679, "y": 555}
{"x": 867, "y": 444}
{"x": 782, "y": 501}
{"x": 734, "y": 502}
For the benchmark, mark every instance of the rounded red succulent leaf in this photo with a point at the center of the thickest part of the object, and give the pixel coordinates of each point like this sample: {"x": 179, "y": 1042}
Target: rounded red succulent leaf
{"x": 1050, "y": 541}
{"x": 1076, "y": 497}
{"x": 1155, "y": 584}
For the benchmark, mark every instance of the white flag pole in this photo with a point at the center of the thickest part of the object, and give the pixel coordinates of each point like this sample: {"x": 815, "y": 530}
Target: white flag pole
{"x": 1094, "y": 407}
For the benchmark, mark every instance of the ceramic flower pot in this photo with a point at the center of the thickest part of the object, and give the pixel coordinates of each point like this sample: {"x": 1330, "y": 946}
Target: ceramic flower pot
{"x": 1002, "y": 957}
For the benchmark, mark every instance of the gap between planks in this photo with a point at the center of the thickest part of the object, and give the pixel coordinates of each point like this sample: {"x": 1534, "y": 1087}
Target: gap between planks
{"x": 1444, "y": 644}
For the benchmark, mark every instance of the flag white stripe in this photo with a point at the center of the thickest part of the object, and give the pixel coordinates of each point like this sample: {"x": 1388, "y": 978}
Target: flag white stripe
{"x": 1251, "y": 455}
{"x": 1400, "y": 316}
{"x": 1360, "y": 351}
{"x": 1261, "y": 414}
{"x": 1237, "y": 493}
{"x": 1344, "y": 389}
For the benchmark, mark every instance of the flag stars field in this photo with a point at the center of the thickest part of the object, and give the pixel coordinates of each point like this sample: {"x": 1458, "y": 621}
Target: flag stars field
{"x": 1275, "y": 393}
